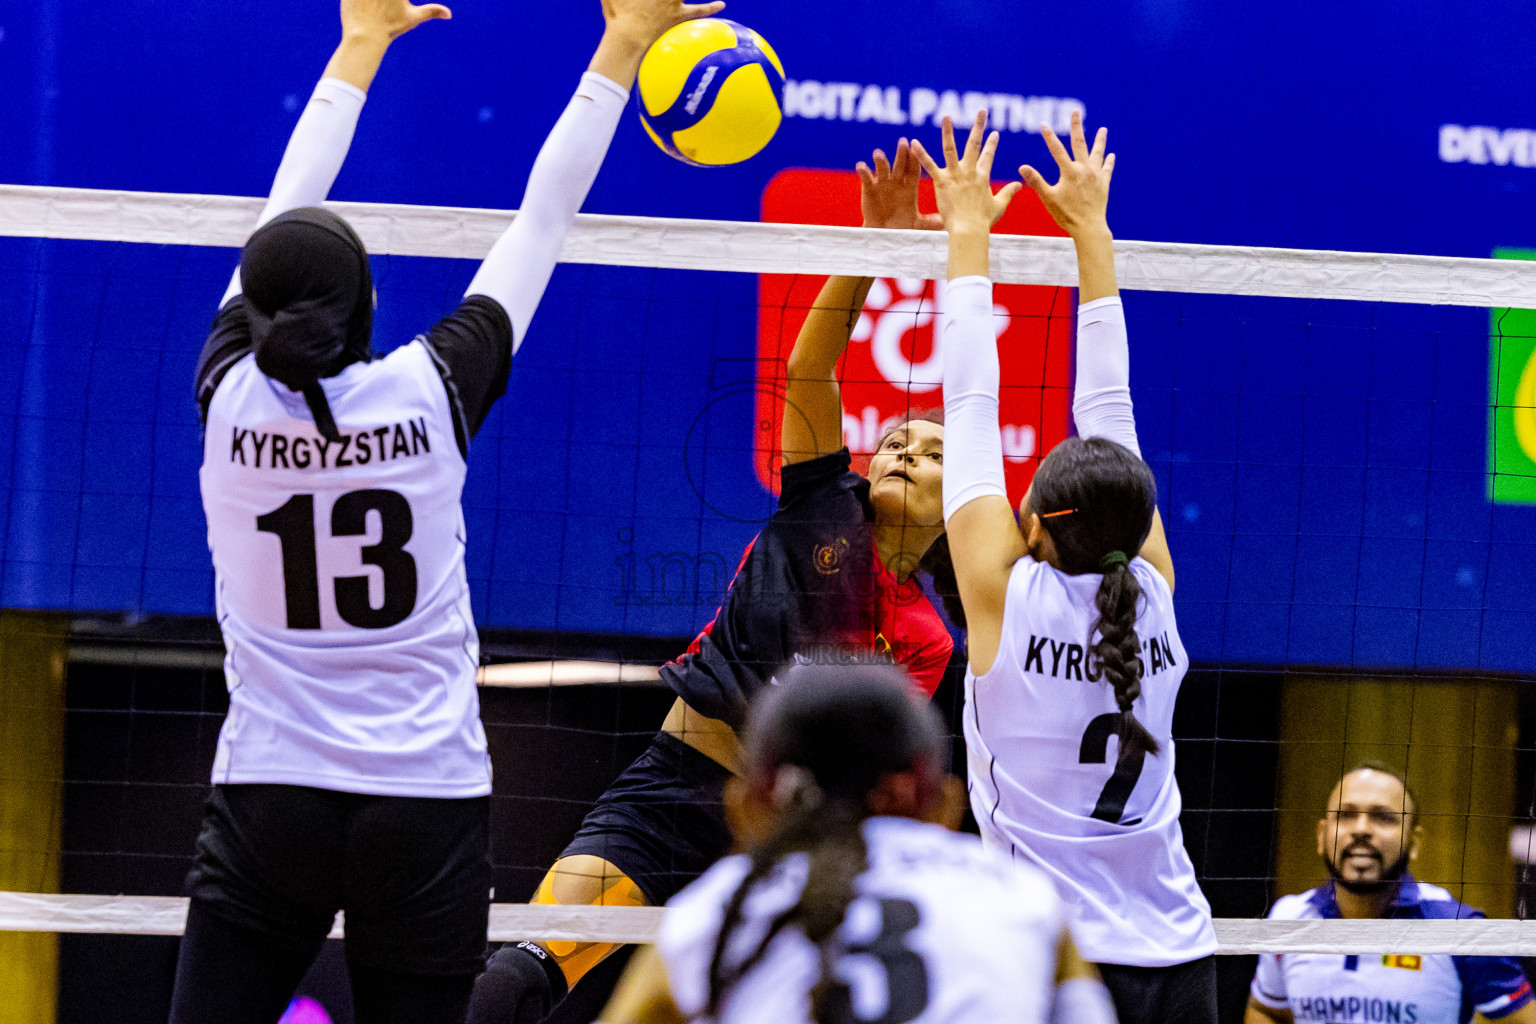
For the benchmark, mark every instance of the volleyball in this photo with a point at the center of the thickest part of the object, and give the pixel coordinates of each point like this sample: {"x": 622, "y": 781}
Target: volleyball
{"x": 710, "y": 92}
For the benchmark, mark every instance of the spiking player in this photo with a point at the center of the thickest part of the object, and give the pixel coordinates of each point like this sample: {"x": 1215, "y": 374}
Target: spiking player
{"x": 832, "y": 571}
{"x": 853, "y": 899}
{"x": 1072, "y": 637}
{"x": 1367, "y": 837}
{"x": 351, "y": 772}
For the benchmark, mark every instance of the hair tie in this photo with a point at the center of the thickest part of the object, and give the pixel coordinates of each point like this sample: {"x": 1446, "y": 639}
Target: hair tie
{"x": 791, "y": 784}
{"x": 1114, "y": 558}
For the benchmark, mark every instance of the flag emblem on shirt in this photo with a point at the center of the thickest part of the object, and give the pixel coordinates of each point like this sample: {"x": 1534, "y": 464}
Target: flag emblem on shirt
{"x": 1407, "y": 961}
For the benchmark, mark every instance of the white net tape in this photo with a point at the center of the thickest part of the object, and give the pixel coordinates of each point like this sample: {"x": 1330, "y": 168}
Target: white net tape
{"x": 749, "y": 247}
{"x": 167, "y": 915}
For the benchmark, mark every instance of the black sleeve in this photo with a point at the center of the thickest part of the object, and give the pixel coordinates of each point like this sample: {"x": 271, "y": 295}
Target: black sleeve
{"x": 802, "y": 587}
{"x": 472, "y": 347}
{"x": 830, "y": 475}
{"x": 228, "y": 341}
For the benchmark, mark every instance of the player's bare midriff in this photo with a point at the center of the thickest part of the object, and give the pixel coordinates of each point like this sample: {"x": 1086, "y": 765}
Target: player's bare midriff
{"x": 709, "y": 736}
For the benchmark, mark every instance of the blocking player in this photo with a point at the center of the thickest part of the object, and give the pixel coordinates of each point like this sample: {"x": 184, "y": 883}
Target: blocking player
{"x": 351, "y": 772}
{"x": 1367, "y": 837}
{"x": 852, "y": 900}
{"x": 834, "y": 570}
{"x": 1075, "y": 659}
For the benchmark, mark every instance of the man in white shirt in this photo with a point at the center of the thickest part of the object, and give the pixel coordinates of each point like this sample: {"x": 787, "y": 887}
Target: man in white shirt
{"x": 1367, "y": 838}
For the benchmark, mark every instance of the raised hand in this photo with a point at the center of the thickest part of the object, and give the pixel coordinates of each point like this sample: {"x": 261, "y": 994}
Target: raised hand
{"x": 632, "y": 26}
{"x": 645, "y": 20}
{"x": 963, "y": 186}
{"x": 367, "y": 29}
{"x": 386, "y": 19}
{"x": 1080, "y": 199}
{"x": 888, "y": 193}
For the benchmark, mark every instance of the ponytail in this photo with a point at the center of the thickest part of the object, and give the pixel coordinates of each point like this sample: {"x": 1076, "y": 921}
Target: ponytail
{"x": 1096, "y": 499}
{"x": 830, "y": 833}
{"x": 1117, "y": 651}
{"x": 817, "y": 746}
{"x": 940, "y": 565}
{"x": 839, "y": 857}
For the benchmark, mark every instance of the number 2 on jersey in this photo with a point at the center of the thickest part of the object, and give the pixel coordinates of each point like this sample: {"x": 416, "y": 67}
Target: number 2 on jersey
{"x": 294, "y": 525}
{"x": 1094, "y": 750}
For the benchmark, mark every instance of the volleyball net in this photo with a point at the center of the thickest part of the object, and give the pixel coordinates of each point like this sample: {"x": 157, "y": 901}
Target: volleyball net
{"x": 1345, "y": 447}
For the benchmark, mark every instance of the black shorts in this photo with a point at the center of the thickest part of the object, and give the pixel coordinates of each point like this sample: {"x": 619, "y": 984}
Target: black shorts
{"x": 662, "y": 822}
{"x": 413, "y": 874}
{"x": 1181, "y": 994}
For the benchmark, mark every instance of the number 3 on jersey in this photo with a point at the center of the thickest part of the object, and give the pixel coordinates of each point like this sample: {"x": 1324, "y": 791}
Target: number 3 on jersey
{"x": 906, "y": 975}
{"x": 294, "y": 525}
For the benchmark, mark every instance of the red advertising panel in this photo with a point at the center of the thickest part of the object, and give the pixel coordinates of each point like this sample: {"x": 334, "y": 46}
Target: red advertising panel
{"x": 892, "y": 368}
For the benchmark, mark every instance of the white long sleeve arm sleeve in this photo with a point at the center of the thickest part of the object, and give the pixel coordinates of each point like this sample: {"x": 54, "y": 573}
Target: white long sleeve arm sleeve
{"x": 519, "y": 265}
{"x": 1101, "y": 399}
{"x": 314, "y": 156}
{"x": 973, "y": 445}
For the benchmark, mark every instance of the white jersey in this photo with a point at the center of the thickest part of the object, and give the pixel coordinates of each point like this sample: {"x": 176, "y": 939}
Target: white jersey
{"x": 350, "y": 646}
{"x": 1387, "y": 988}
{"x": 941, "y": 932}
{"x": 1040, "y": 735}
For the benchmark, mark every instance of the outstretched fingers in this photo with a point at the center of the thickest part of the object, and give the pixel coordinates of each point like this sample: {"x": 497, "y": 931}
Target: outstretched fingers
{"x": 973, "y": 142}
{"x": 978, "y": 145}
{"x": 1100, "y": 138}
{"x": 692, "y": 11}
{"x": 1053, "y": 144}
{"x": 923, "y": 157}
{"x": 951, "y": 155}
{"x": 882, "y": 166}
{"x": 393, "y": 18}
{"x": 988, "y": 153}
{"x": 1079, "y": 143}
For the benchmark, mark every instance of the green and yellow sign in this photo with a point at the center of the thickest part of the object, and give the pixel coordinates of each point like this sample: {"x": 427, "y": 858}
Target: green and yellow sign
{"x": 1512, "y": 399}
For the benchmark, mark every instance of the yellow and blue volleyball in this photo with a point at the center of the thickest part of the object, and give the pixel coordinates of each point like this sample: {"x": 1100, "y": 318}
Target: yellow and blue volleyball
{"x": 711, "y": 92}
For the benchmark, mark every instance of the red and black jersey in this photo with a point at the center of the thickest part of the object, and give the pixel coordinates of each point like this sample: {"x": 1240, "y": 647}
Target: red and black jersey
{"x": 810, "y": 588}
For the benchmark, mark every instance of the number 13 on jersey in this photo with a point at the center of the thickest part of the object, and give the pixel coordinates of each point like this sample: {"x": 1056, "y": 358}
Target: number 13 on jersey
{"x": 294, "y": 525}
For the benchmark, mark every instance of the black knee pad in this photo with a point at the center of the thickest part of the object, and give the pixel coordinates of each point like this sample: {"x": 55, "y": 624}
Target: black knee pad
{"x": 521, "y": 984}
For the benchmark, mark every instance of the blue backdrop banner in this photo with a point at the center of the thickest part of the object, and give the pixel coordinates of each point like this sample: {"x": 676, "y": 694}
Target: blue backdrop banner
{"x": 1325, "y": 467}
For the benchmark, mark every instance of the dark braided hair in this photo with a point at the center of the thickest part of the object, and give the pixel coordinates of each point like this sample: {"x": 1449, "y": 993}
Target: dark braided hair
{"x": 936, "y": 561}
{"x": 1112, "y": 495}
{"x": 826, "y": 736}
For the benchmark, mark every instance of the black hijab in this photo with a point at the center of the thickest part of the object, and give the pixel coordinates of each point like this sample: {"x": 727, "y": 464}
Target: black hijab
{"x": 309, "y": 302}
